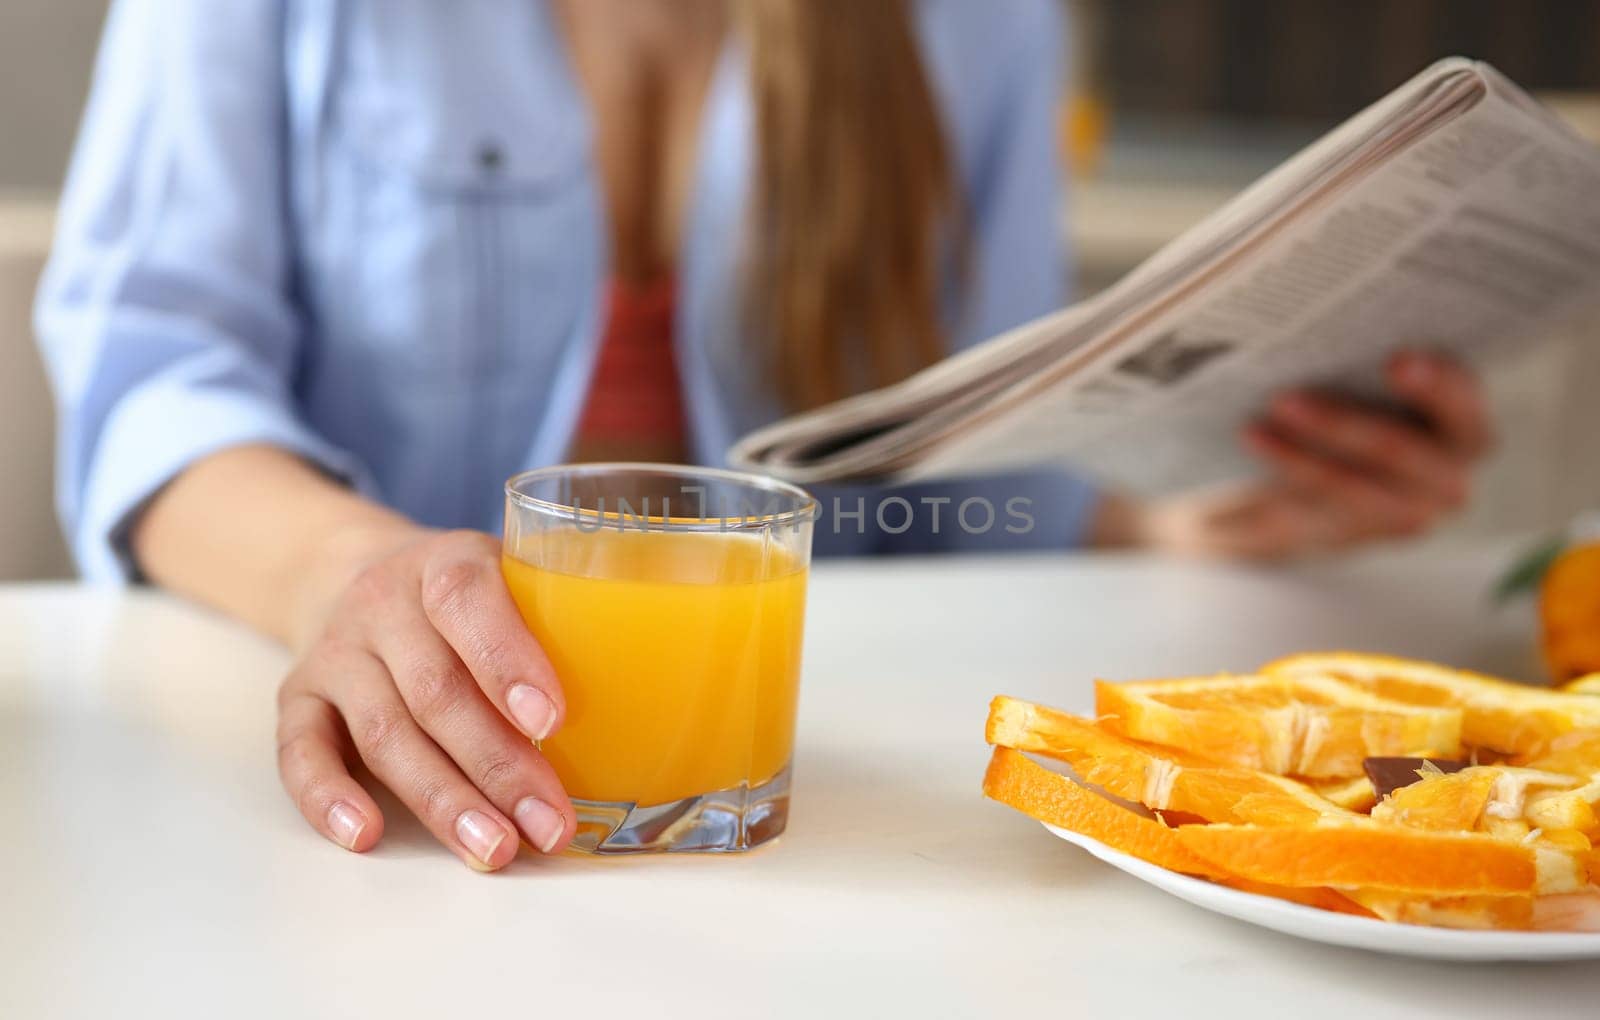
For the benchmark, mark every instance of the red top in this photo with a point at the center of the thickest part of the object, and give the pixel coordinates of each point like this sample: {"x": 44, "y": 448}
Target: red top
{"x": 635, "y": 406}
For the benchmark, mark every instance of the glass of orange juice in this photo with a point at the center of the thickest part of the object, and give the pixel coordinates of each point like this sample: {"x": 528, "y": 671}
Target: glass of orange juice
{"x": 671, "y": 603}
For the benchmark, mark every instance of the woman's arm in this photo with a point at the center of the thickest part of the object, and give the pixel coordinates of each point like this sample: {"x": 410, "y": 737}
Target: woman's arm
{"x": 265, "y": 537}
{"x": 412, "y": 655}
{"x": 167, "y": 324}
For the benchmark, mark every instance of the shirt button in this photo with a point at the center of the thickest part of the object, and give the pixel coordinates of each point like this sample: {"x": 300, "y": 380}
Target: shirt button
{"x": 490, "y": 158}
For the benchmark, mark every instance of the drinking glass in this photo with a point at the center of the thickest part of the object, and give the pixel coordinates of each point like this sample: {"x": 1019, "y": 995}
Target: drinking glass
{"x": 671, "y": 603}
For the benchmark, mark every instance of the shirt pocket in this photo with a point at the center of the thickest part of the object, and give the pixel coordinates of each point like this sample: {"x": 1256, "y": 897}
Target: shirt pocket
{"x": 467, "y": 212}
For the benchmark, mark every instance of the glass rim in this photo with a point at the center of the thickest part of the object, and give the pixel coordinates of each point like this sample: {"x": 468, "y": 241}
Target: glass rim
{"x": 807, "y": 507}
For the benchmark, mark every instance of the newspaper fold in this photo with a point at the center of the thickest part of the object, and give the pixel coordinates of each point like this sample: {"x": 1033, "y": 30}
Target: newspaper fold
{"x": 1455, "y": 214}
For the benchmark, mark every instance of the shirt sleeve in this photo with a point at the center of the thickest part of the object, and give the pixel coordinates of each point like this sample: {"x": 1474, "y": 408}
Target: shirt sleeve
{"x": 164, "y": 317}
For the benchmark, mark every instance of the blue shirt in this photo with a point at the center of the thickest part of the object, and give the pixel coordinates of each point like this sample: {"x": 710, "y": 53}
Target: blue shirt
{"x": 370, "y": 232}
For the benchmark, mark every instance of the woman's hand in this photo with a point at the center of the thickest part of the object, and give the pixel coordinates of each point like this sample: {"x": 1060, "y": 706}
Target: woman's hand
{"x": 1341, "y": 474}
{"x": 423, "y": 669}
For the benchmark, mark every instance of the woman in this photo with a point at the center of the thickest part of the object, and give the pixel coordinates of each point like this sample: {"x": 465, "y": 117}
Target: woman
{"x": 328, "y": 273}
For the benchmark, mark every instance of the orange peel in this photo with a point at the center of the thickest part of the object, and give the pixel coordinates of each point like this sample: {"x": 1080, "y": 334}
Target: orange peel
{"x": 1352, "y": 856}
{"x": 1161, "y": 779}
{"x": 1312, "y": 725}
{"x": 1497, "y": 714}
{"x": 1015, "y": 780}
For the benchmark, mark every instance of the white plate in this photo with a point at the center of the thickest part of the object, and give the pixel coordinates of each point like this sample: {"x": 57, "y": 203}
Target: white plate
{"x": 1345, "y": 929}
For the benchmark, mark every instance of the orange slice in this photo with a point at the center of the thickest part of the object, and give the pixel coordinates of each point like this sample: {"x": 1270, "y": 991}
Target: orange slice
{"x": 1498, "y": 714}
{"x": 1351, "y": 794}
{"x": 1559, "y": 912}
{"x": 1565, "y": 809}
{"x": 1478, "y": 913}
{"x": 1558, "y": 869}
{"x": 1576, "y": 754}
{"x": 1030, "y": 726}
{"x": 1583, "y": 685}
{"x": 1014, "y": 780}
{"x": 1570, "y": 840}
{"x": 1310, "y": 725}
{"x": 1511, "y": 830}
{"x": 1572, "y": 912}
{"x": 1034, "y": 790}
{"x": 1506, "y": 801}
{"x": 1443, "y": 803}
{"x": 1367, "y": 855}
{"x": 1161, "y": 779}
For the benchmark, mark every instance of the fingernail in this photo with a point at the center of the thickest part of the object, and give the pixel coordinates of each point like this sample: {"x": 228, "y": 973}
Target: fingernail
{"x": 481, "y": 835}
{"x": 346, "y": 824}
{"x": 541, "y": 823}
{"x": 533, "y": 710}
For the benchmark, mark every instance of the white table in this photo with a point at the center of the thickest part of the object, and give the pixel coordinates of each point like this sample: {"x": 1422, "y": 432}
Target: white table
{"x": 153, "y": 868}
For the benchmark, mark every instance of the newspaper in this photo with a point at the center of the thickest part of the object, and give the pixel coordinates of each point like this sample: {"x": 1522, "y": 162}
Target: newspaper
{"x": 1455, "y": 214}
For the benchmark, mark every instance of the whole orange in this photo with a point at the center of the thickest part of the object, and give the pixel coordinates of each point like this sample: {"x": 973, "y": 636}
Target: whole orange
{"x": 1569, "y": 612}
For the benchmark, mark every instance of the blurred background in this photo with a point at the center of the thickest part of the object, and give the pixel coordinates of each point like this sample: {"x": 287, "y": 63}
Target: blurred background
{"x": 1174, "y": 105}
{"x": 46, "y": 51}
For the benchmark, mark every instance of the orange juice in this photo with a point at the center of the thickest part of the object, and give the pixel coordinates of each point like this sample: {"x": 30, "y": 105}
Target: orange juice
{"x": 679, "y": 653}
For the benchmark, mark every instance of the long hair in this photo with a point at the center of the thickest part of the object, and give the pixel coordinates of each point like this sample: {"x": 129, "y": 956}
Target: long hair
{"x": 855, "y": 211}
